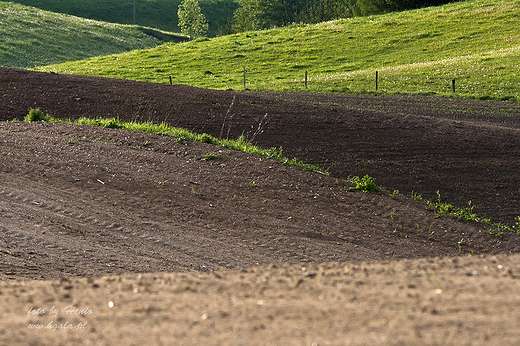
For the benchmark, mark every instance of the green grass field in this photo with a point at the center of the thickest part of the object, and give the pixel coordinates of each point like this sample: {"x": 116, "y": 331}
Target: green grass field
{"x": 475, "y": 42}
{"x": 161, "y": 14}
{"x": 32, "y": 37}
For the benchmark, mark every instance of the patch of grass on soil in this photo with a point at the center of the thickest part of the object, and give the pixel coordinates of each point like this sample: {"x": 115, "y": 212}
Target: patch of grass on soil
{"x": 239, "y": 144}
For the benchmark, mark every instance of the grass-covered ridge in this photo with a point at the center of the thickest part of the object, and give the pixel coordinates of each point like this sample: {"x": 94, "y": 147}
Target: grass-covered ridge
{"x": 476, "y": 42}
{"x": 364, "y": 184}
{"x": 161, "y": 14}
{"x": 239, "y": 144}
{"x": 32, "y": 37}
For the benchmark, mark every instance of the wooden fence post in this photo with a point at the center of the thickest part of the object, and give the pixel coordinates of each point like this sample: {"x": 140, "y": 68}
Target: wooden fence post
{"x": 305, "y": 79}
{"x": 377, "y": 79}
{"x": 244, "y": 77}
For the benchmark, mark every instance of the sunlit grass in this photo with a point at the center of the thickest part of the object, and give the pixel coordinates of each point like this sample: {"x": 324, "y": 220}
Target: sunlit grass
{"x": 475, "y": 42}
{"x": 490, "y": 75}
{"x": 32, "y": 37}
{"x": 161, "y": 14}
{"x": 239, "y": 144}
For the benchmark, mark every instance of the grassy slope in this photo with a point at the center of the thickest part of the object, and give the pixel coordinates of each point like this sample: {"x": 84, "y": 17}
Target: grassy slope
{"x": 32, "y": 37}
{"x": 477, "y": 42}
{"x": 160, "y": 14}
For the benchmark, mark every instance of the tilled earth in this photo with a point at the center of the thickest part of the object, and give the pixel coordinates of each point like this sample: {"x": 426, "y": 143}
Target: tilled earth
{"x": 124, "y": 225}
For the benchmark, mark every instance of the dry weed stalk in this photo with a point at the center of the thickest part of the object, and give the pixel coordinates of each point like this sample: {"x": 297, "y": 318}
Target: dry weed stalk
{"x": 227, "y": 117}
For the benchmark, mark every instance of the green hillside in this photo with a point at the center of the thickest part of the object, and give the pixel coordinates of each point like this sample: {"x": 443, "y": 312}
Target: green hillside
{"x": 475, "y": 42}
{"x": 32, "y": 37}
{"x": 161, "y": 14}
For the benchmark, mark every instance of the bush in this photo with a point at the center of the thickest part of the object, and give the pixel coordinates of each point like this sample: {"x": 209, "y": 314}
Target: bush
{"x": 35, "y": 115}
{"x": 369, "y": 7}
{"x": 365, "y": 184}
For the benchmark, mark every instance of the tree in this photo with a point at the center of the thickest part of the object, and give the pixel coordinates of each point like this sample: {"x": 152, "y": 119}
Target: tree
{"x": 265, "y": 14}
{"x": 368, "y": 7}
{"x": 191, "y": 20}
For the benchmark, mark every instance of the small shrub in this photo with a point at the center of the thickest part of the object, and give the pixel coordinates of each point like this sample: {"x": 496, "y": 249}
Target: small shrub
{"x": 365, "y": 184}
{"x": 35, "y": 115}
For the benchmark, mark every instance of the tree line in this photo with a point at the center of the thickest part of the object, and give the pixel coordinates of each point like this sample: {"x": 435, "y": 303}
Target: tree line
{"x": 266, "y": 14}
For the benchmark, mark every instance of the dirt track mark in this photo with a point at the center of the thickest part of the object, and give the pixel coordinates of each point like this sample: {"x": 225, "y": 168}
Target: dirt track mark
{"x": 164, "y": 246}
{"x": 65, "y": 235}
{"x": 58, "y": 209}
{"x": 207, "y": 216}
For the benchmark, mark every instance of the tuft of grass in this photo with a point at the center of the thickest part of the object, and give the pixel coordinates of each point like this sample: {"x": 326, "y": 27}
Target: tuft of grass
{"x": 516, "y": 227}
{"x": 497, "y": 233}
{"x": 446, "y": 209}
{"x": 205, "y": 138}
{"x": 35, "y": 114}
{"x": 466, "y": 215}
{"x": 365, "y": 184}
{"x": 392, "y": 215}
{"x": 460, "y": 243}
{"x": 144, "y": 145}
{"x": 396, "y": 194}
{"x": 416, "y": 197}
{"x": 210, "y": 156}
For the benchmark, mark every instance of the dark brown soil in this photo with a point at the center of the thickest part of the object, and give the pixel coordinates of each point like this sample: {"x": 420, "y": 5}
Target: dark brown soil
{"x": 81, "y": 201}
{"x": 467, "y": 150}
